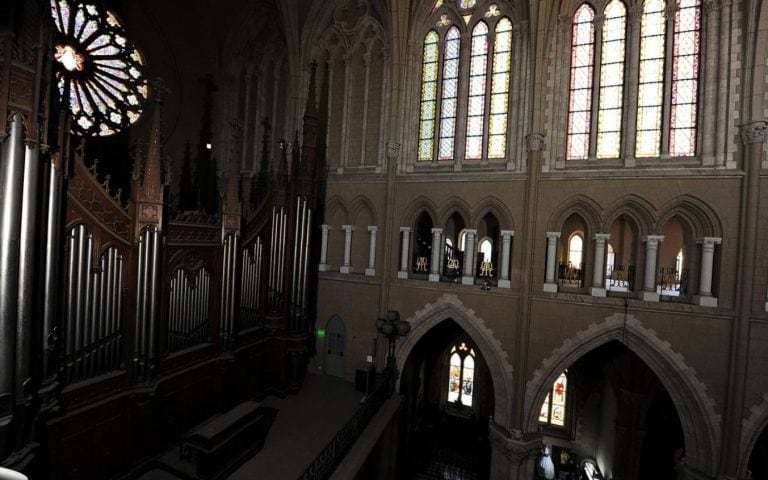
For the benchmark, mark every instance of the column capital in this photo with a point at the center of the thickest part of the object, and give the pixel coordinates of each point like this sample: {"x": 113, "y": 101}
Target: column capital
{"x": 405, "y": 229}
{"x": 602, "y": 236}
{"x": 514, "y": 445}
{"x": 470, "y": 231}
{"x": 710, "y": 240}
{"x": 635, "y": 15}
{"x": 348, "y": 228}
{"x": 653, "y": 238}
{"x": 507, "y": 233}
{"x": 670, "y": 10}
{"x": 553, "y": 234}
{"x": 373, "y": 228}
{"x": 437, "y": 230}
{"x": 393, "y": 150}
{"x": 711, "y": 6}
{"x": 754, "y": 132}
{"x": 599, "y": 22}
{"x": 534, "y": 142}
{"x": 325, "y": 227}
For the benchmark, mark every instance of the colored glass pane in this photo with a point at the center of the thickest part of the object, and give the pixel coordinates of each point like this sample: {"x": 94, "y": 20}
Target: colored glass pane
{"x": 685, "y": 81}
{"x": 100, "y": 73}
{"x": 467, "y": 3}
{"x": 611, "y": 81}
{"x": 580, "y": 102}
{"x": 454, "y": 378}
{"x": 478, "y": 66}
{"x": 559, "y": 391}
{"x": 428, "y": 97}
{"x": 467, "y": 380}
{"x": 544, "y": 412}
{"x": 651, "y": 81}
{"x": 449, "y": 98}
{"x": 502, "y": 59}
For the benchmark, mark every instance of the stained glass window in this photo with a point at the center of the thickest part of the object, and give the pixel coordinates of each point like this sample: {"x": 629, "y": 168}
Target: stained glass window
{"x": 467, "y": 3}
{"x": 461, "y": 374}
{"x": 450, "y": 97}
{"x": 100, "y": 72}
{"x": 685, "y": 78}
{"x": 428, "y": 106}
{"x": 611, "y": 81}
{"x": 575, "y": 250}
{"x": 553, "y": 409}
{"x": 478, "y": 65}
{"x": 502, "y": 60}
{"x": 651, "y": 82}
{"x": 580, "y": 101}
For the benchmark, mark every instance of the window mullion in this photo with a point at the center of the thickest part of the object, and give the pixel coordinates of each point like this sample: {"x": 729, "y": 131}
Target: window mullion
{"x": 599, "y": 22}
{"x": 489, "y": 72}
{"x": 439, "y": 98}
{"x": 631, "y": 93}
{"x": 669, "y": 13}
{"x": 460, "y": 135}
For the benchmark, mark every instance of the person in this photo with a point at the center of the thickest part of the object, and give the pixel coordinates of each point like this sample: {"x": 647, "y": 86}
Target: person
{"x": 545, "y": 468}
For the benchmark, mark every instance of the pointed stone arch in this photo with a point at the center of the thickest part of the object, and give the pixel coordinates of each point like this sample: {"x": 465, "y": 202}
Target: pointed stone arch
{"x": 455, "y": 204}
{"x": 751, "y": 429}
{"x": 496, "y": 207}
{"x": 361, "y": 205}
{"x": 447, "y": 307}
{"x": 700, "y": 421}
{"x": 581, "y": 205}
{"x": 414, "y": 209}
{"x": 636, "y": 208}
{"x": 699, "y": 215}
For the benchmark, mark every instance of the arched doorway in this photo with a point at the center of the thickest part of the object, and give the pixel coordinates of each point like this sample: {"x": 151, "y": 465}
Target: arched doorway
{"x": 610, "y": 407}
{"x": 449, "y": 396}
{"x": 335, "y": 346}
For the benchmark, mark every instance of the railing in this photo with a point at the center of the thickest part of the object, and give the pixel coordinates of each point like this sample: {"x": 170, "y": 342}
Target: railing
{"x": 329, "y": 458}
{"x": 570, "y": 275}
{"x": 672, "y": 282}
{"x": 620, "y": 278}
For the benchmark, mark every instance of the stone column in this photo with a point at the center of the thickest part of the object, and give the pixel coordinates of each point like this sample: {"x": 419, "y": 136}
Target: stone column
{"x": 709, "y": 99}
{"x": 405, "y": 246}
{"x": 434, "y": 267}
{"x": 705, "y": 297}
{"x": 513, "y": 457}
{"x": 347, "y": 267}
{"x": 371, "y": 270}
{"x": 469, "y": 259}
{"x": 550, "y": 281}
{"x": 649, "y": 279}
{"x": 506, "y": 244}
{"x": 323, "y": 267}
{"x": 599, "y": 23}
{"x": 598, "y": 276}
{"x": 634, "y": 17}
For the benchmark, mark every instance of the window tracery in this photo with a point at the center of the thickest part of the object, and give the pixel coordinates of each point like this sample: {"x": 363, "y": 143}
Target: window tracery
{"x": 461, "y": 374}
{"x": 100, "y": 75}
{"x": 465, "y": 121}
{"x": 553, "y": 410}
{"x": 667, "y": 90}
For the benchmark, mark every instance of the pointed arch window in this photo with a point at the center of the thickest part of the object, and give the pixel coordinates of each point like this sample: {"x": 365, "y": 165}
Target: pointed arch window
{"x": 474, "y": 89}
{"x": 667, "y": 90}
{"x": 553, "y": 410}
{"x": 575, "y": 250}
{"x": 461, "y": 374}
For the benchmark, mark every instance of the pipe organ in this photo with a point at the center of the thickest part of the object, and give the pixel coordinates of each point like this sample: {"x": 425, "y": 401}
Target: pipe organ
{"x": 93, "y": 319}
{"x": 188, "y": 309}
{"x": 229, "y": 274}
{"x": 277, "y": 258}
{"x": 250, "y": 285}
{"x": 301, "y": 252}
{"x": 147, "y": 288}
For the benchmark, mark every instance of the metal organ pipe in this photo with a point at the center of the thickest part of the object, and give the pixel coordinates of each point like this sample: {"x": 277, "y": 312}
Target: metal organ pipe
{"x": 308, "y": 229}
{"x": 69, "y": 322}
{"x": 51, "y": 268}
{"x": 154, "y": 289}
{"x": 118, "y": 323}
{"x": 27, "y": 270}
{"x": 11, "y": 171}
{"x": 140, "y": 306}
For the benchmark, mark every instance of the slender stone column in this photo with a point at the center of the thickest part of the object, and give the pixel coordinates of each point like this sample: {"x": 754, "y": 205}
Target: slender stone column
{"x": 550, "y": 282}
{"x": 705, "y": 297}
{"x": 347, "y": 266}
{"x": 598, "y": 276}
{"x": 634, "y": 16}
{"x": 371, "y": 270}
{"x": 469, "y": 259}
{"x": 506, "y": 244}
{"x": 323, "y": 267}
{"x": 404, "y": 247}
{"x": 434, "y": 267}
{"x": 709, "y": 117}
{"x": 649, "y": 279}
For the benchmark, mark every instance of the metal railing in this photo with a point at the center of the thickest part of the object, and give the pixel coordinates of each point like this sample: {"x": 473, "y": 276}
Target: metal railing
{"x": 329, "y": 457}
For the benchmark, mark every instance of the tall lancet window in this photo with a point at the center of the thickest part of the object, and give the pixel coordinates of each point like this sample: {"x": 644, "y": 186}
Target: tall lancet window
{"x": 428, "y": 108}
{"x": 553, "y": 410}
{"x": 611, "y": 81}
{"x": 650, "y": 98}
{"x": 685, "y": 78}
{"x": 450, "y": 94}
{"x": 461, "y": 374}
{"x": 582, "y": 71}
{"x": 478, "y": 65}
{"x": 502, "y": 61}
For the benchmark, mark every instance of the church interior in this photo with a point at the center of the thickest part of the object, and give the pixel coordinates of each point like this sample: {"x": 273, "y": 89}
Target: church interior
{"x": 526, "y": 232}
